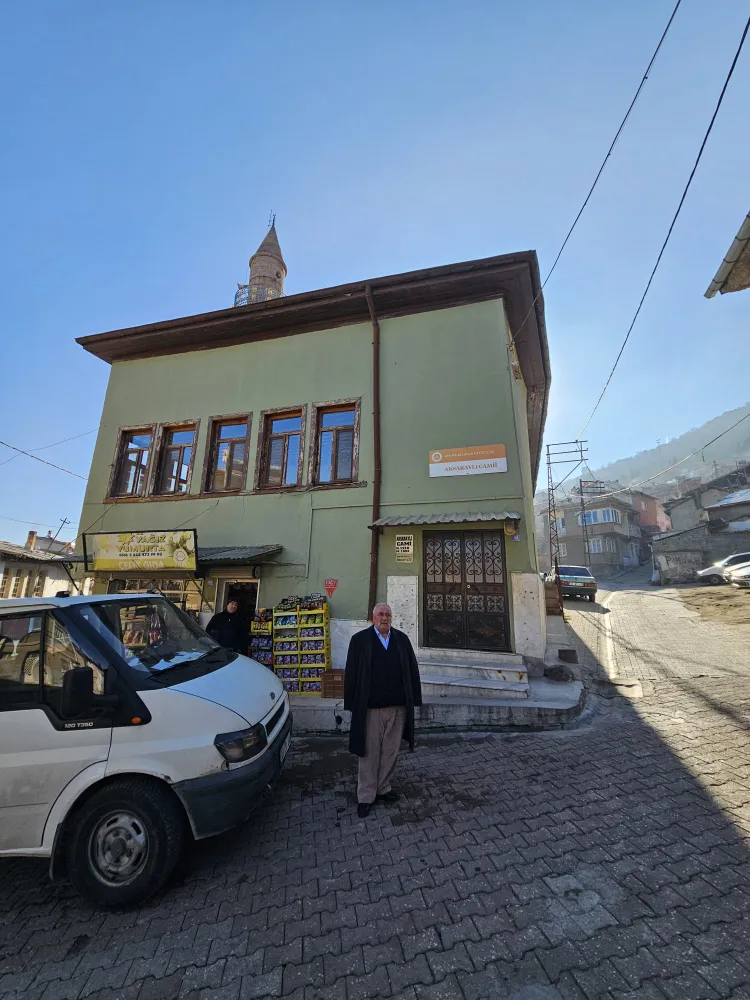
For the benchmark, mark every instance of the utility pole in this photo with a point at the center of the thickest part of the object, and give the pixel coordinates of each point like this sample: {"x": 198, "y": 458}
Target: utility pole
{"x": 584, "y": 526}
{"x": 63, "y": 522}
{"x": 562, "y": 453}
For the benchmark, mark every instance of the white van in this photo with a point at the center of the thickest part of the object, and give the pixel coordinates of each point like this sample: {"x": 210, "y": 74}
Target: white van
{"x": 124, "y": 728}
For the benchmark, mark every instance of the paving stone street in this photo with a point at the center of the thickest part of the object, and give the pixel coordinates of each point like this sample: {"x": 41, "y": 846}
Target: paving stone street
{"x": 607, "y": 860}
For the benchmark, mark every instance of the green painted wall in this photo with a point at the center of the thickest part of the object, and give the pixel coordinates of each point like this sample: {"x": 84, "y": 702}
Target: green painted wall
{"x": 446, "y": 383}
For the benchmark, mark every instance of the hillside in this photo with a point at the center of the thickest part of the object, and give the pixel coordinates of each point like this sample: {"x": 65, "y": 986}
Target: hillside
{"x": 733, "y": 447}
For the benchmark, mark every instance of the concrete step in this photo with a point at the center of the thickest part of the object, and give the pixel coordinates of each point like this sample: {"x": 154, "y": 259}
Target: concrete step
{"x": 549, "y": 705}
{"x": 464, "y": 657}
{"x": 478, "y": 689}
{"x": 474, "y": 671}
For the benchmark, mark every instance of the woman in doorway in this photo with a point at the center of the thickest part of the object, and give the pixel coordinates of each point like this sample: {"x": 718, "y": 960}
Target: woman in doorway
{"x": 230, "y": 628}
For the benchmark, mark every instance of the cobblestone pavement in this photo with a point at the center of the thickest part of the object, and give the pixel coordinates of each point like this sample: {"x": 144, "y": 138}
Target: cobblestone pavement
{"x": 609, "y": 860}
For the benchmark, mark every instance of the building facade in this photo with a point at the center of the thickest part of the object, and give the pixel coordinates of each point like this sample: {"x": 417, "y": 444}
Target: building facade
{"x": 378, "y": 439}
{"x": 689, "y": 509}
{"x": 613, "y": 531}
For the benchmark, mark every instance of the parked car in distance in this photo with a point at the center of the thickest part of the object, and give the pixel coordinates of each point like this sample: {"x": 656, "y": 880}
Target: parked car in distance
{"x": 577, "y": 581}
{"x": 740, "y": 577}
{"x": 735, "y": 569}
{"x": 715, "y": 574}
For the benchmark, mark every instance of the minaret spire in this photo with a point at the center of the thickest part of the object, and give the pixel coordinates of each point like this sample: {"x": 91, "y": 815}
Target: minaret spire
{"x": 267, "y": 271}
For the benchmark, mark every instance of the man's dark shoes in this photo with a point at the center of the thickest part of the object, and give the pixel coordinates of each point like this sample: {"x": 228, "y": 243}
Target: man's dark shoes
{"x": 363, "y": 809}
{"x": 389, "y": 797}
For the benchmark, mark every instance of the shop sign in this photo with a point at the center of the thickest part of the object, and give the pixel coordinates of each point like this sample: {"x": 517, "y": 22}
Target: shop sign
{"x": 404, "y": 548}
{"x": 330, "y": 586}
{"x": 140, "y": 550}
{"x": 473, "y": 461}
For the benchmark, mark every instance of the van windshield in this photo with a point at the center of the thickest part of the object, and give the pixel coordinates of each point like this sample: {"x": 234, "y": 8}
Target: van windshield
{"x": 150, "y": 634}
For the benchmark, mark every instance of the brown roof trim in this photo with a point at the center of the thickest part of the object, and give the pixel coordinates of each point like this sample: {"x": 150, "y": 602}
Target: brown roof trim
{"x": 512, "y": 277}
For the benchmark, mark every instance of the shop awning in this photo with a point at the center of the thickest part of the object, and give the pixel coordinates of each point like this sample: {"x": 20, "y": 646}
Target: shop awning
{"x": 460, "y": 517}
{"x": 219, "y": 555}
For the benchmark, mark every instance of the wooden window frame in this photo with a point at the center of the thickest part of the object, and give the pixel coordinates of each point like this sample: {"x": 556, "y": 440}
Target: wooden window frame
{"x": 208, "y": 460}
{"x": 159, "y": 450}
{"x": 6, "y": 582}
{"x": 266, "y": 416}
{"x": 122, "y": 432}
{"x": 318, "y": 409}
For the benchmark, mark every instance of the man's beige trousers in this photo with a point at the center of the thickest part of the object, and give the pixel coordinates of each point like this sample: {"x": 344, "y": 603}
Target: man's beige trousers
{"x": 384, "y": 731}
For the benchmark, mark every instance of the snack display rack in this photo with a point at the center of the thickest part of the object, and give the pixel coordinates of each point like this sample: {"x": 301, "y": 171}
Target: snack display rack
{"x": 261, "y": 636}
{"x": 302, "y": 643}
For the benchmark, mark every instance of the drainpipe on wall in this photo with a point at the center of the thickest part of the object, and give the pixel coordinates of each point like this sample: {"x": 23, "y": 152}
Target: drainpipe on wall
{"x": 377, "y": 470}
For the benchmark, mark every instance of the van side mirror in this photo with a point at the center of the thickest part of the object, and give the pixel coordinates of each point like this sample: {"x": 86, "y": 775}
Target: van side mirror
{"x": 77, "y": 692}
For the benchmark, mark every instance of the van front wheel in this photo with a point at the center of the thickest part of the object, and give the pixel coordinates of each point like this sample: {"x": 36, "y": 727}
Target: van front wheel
{"x": 125, "y": 842}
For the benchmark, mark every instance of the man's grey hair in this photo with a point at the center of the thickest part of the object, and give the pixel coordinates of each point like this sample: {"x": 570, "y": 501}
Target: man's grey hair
{"x": 382, "y": 604}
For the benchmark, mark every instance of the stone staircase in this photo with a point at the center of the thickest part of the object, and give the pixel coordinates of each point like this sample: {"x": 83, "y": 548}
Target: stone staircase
{"x": 483, "y": 677}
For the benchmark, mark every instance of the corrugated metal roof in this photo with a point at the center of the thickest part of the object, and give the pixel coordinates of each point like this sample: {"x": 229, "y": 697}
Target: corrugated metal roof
{"x": 216, "y": 554}
{"x": 14, "y": 551}
{"x": 741, "y": 496}
{"x": 459, "y": 517}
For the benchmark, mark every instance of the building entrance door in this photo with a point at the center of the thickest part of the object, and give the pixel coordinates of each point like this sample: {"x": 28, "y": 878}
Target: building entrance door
{"x": 465, "y": 591}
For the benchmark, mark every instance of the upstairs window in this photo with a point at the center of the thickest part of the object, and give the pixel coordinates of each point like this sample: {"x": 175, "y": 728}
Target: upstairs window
{"x": 132, "y": 462}
{"x": 282, "y": 453}
{"x": 229, "y": 454}
{"x": 176, "y": 459}
{"x": 335, "y": 446}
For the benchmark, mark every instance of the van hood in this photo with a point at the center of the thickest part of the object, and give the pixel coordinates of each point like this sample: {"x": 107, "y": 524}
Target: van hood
{"x": 244, "y": 686}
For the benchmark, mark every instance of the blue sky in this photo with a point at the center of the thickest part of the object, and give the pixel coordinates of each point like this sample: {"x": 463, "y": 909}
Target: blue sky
{"x": 145, "y": 144}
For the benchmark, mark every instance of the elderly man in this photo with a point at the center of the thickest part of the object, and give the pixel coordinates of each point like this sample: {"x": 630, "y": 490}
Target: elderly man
{"x": 381, "y": 688}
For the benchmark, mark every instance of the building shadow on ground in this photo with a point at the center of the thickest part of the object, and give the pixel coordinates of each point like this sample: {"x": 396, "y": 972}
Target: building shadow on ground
{"x": 596, "y": 862}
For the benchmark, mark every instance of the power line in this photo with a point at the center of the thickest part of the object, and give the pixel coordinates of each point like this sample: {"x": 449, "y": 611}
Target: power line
{"x": 39, "y": 524}
{"x": 672, "y": 225}
{"x": 42, "y": 460}
{"x": 601, "y": 169}
{"x": 53, "y": 445}
{"x": 634, "y": 486}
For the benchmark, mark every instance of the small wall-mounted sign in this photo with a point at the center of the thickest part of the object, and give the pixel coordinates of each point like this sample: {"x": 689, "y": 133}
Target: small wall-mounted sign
{"x": 330, "y": 586}
{"x": 476, "y": 460}
{"x": 404, "y": 548}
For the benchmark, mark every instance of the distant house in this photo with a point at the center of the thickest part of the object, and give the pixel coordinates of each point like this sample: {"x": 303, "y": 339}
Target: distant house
{"x": 733, "y": 511}
{"x": 690, "y": 509}
{"x": 613, "y": 530}
{"x": 30, "y": 571}
{"x": 734, "y": 273}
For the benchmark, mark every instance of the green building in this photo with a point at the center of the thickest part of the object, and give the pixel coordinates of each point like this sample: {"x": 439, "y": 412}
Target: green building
{"x": 381, "y": 437}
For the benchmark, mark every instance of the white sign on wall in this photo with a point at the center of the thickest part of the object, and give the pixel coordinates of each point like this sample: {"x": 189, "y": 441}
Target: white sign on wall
{"x": 404, "y": 548}
{"x": 474, "y": 461}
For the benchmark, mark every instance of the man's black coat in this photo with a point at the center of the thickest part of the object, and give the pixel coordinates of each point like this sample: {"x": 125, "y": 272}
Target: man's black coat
{"x": 357, "y": 684}
{"x": 230, "y": 630}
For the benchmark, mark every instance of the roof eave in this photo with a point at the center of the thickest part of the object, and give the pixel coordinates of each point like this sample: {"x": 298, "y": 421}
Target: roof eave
{"x": 739, "y": 246}
{"x": 511, "y": 277}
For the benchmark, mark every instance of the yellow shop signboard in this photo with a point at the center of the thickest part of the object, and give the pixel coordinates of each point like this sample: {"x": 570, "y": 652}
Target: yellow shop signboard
{"x": 140, "y": 550}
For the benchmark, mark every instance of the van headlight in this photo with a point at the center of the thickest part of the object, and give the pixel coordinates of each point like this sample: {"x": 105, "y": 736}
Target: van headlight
{"x": 236, "y": 747}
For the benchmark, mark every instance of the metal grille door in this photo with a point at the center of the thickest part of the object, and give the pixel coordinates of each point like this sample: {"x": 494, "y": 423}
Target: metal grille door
{"x": 465, "y": 596}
